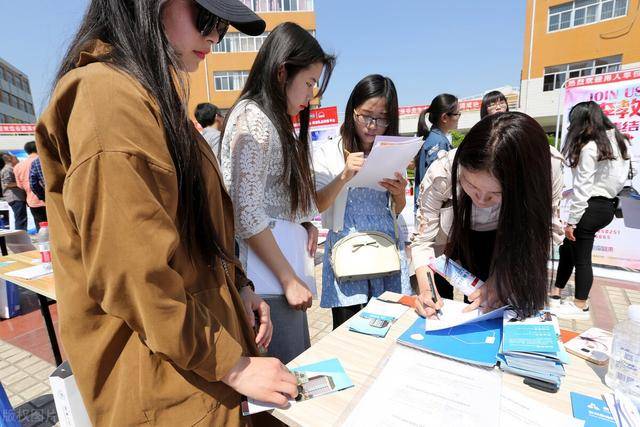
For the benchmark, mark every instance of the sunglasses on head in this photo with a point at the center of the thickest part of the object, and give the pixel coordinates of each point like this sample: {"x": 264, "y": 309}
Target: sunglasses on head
{"x": 207, "y": 22}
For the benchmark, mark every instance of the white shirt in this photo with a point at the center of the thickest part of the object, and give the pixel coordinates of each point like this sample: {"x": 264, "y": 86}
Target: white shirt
{"x": 434, "y": 217}
{"x": 328, "y": 163}
{"x": 212, "y": 136}
{"x": 593, "y": 178}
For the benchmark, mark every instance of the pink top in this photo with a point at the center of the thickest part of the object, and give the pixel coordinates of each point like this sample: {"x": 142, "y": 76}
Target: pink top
{"x": 21, "y": 171}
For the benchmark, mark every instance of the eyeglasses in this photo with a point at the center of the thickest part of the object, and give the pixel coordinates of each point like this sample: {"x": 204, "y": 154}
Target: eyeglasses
{"x": 207, "y": 22}
{"x": 454, "y": 114}
{"x": 378, "y": 122}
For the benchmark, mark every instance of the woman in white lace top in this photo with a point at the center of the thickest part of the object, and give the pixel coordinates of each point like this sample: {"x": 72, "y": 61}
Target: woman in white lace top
{"x": 267, "y": 169}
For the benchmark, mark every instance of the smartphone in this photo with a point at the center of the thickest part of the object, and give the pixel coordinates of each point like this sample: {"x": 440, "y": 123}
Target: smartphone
{"x": 378, "y": 323}
{"x": 314, "y": 387}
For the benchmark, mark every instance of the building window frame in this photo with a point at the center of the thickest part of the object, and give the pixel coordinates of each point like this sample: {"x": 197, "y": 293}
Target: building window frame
{"x": 580, "y": 9}
{"x": 279, "y": 6}
{"x": 555, "y": 76}
{"x": 229, "y": 81}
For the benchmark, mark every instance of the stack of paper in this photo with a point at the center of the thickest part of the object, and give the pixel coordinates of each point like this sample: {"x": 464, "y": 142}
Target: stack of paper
{"x": 377, "y": 317}
{"x": 532, "y": 348}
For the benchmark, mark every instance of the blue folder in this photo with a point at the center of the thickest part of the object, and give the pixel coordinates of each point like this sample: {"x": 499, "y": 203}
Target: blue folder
{"x": 477, "y": 342}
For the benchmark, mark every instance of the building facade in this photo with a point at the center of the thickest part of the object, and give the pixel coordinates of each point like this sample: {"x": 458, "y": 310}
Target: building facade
{"x": 567, "y": 39}
{"x": 221, "y": 76}
{"x": 16, "y": 103}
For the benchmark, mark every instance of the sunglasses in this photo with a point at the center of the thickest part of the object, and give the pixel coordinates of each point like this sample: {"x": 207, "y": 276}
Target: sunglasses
{"x": 207, "y": 22}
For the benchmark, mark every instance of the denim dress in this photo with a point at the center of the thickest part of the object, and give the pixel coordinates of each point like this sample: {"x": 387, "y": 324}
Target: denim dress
{"x": 367, "y": 210}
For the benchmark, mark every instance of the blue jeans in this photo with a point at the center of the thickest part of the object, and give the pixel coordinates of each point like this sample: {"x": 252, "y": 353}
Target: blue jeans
{"x": 19, "y": 208}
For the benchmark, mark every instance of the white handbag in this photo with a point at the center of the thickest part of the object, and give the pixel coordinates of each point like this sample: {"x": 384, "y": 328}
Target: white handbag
{"x": 366, "y": 255}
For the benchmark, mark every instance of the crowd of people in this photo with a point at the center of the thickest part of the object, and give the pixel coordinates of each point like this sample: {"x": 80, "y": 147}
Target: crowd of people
{"x": 152, "y": 222}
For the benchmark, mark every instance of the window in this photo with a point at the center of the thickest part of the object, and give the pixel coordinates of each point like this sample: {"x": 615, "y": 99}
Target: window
{"x": 229, "y": 80}
{"x": 21, "y": 105}
{"x": 30, "y": 108}
{"x": 554, "y": 77}
{"x": 13, "y": 101}
{"x": 584, "y": 12}
{"x": 238, "y": 42}
{"x": 4, "y": 97}
{"x": 279, "y": 5}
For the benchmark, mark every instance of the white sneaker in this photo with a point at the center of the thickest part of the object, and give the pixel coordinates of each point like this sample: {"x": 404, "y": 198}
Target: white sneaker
{"x": 568, "y": 310}
{"x": 555, "y": 301}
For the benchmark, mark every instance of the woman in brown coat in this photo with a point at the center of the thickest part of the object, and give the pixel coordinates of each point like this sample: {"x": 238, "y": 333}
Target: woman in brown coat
{"x": 155, "y": 316}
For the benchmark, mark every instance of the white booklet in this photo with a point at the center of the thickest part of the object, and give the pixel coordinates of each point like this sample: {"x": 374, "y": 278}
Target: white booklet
{"x": 453, "y": 315}
{"x": 31, "y": 273}
{"x": 292, "y": 240}
{"x": 390, "y": 154}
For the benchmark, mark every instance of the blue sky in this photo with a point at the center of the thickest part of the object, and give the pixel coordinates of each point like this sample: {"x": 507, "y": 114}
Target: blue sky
{"x": 426, "y": 46}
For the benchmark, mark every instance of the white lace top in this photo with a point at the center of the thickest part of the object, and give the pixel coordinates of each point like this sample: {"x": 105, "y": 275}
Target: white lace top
{"x": 252, "y": 169}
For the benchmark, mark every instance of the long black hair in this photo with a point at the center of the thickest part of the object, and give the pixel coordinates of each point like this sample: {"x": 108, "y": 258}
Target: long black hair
{"x": 291, "y": 46}
{"x": 140, "y": 49}
{"x": 491, "y": 98}
{"x": 587, "y": 122}
{"x": 513, "y": 148}
{"x": 372, "y": 86}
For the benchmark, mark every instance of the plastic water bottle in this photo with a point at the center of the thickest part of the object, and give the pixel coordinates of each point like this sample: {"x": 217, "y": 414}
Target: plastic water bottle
{"x": 624, "y": 364}
{"x": 43, "y": 244}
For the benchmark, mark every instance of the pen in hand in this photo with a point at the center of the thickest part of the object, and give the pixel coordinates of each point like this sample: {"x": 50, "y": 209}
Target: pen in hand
{"x": 434, "y": 298}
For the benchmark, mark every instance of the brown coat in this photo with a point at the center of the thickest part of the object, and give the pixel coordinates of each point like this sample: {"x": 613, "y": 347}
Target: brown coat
{"x": 148, "y": 334}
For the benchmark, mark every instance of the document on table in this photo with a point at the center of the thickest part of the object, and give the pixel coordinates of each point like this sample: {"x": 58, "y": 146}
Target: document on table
{"x": 453, "y": 315}
{"x": 34, "y": 272}
{"x": 388, "y": 156}
{"x": 517, "y": 409}
{"x": 292, "y": 240}
{"x": 419, "y": 389}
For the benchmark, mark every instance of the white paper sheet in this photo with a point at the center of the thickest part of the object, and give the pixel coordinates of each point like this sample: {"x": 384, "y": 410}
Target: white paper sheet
{"x": 420, "y": 389}
{"x": 292, "y": 239}
{"x": 389, "y": 309}
{"x": 453, "y": 315}
{"x": 517, "y": 409}
{"x": 388, "y": 156}
{"x": 34, "y": 272}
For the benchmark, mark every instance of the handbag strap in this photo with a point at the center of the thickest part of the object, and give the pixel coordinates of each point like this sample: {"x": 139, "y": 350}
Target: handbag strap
{"x": 392, "y": 207}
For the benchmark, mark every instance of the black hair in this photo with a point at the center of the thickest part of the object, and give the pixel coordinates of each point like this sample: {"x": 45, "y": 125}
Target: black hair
{"x": 30, "y": 147}
{"x": 372, "y": 86}
{"x": 444, "y": 103}
{"x": 294, "y": 48}
{"x": 513, "y": 148}
{"x": 491, "y": 98}
{"x": 205, "y": 114}
{"x": 587, "y": 122}
{"x": 423, "y": 129}
{"x": 140, "y": 49}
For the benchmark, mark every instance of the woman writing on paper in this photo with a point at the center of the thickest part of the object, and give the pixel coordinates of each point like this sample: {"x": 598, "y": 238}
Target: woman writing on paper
{"x": 372, "y": 109}
{"x": 598, "y": 156}
{"x": 499, "y": 222}
{"x": 155, "y": 313}
{"x": 267, "y": 169}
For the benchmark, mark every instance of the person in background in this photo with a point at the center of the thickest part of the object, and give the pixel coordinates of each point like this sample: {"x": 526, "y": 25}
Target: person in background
{"x": 22, "y": 171}
{"x": 156, "y": 316}
{"x": 443, "y": 115}
{"x": 36, "y": 179}
{"x": 493, "y": 102}
{"x": 490, "y": 204}
{"x": 209, "y": 117}
{"x": 267, "y": 168}
{"x": 372, "y": 109}
{"x": 15, "y": 196}
{"x": 598, "y": 155}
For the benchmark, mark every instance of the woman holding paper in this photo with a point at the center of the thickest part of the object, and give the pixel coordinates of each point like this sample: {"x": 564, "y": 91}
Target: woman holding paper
{"x": 500, "y": 221}
{"x": 372, "y": 110}
{"x": 267, "y": 169}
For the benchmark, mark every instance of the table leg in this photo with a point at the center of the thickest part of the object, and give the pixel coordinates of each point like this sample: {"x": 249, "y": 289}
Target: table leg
{"x": 46, "y": 314}
{"x": 3, "y": 246}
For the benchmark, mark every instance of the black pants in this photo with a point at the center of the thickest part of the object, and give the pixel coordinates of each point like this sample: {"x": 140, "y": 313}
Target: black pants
{"x": 342, "y": 314}
{"x": 19, "y": 208}
{"x": 482, "y": 243}
{"x": 599, "y": 214}
{"x": 39, "y": 215}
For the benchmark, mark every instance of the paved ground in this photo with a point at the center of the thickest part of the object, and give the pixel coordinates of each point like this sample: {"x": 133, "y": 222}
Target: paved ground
{"x": 25, "y": 375}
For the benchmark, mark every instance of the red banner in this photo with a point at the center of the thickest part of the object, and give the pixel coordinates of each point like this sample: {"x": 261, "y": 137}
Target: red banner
{"x": 17, "y": 129}
{"x": 326, "y": 116}
{"x": 618, "y": 76}
{"x": 411, "y": 110}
